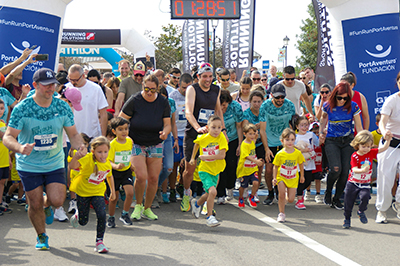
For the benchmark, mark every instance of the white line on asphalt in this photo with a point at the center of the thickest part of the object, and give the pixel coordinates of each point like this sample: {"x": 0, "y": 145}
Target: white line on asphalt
{"x": 305, "y": 240}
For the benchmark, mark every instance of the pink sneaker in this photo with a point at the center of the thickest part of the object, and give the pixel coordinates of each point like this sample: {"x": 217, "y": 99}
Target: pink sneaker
{"x": 100, "y": 247}
{"x": 300, "y": 204}
{"x": 281, "y": 217}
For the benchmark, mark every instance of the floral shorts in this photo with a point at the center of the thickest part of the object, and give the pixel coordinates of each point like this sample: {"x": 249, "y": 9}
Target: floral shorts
{"x": 155, "y": 151}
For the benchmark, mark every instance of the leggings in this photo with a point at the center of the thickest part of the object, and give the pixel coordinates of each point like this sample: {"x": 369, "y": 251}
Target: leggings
{"x": 302, "y": 186}
{"x": 100, "y": 209}
{"x": 227, "y": 178}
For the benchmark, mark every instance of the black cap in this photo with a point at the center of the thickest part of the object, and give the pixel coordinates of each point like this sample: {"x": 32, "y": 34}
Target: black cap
{"x": 61, "y": 76}
{"x": 45, "y": 76}
{"x": 278, "y": 90}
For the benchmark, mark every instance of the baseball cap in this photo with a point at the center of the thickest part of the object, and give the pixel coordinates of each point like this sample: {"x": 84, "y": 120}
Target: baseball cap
{"x": 278, "y": 90}
{"x": 139, "y": 68}
{"x": 2, "y": 79}
{"x": 45, "y": 76}
{"x": 313, "y": 125}
{"x": 74, "y": 96}
{"x": 205, "y": 67}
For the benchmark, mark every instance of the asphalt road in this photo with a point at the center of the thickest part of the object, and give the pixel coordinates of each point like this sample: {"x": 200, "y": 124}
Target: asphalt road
{"x": 245, "y": 237}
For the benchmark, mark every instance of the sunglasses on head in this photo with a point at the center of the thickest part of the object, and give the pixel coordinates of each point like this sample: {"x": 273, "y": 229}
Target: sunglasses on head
{"x": 224, "y": 79}
{"x": 339, "y": 98}
{"x": 289, "y": 78}
{"x": 256, "y": 79}
{"x": 147, "y": 89}
{"x": 139, "y": 75}
{"x": 205, "y": 65}
{"x": 324, "y": 92}
{"x": 279, "y": 97}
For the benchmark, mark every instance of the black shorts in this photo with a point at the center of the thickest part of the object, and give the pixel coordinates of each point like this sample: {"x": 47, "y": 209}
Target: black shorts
{"x": 275, "y": 149}
{"x": 317, "y": 176}
{"x": 245, "y": 180}
{"x": 122, "y": 178}
{"x": 188, "y": 147}
{"x": 260, "y": 152}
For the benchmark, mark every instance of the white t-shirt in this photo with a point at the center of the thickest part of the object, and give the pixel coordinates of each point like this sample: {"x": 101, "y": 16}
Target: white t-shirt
{"x": 391, "y": 108}
{"x": 294, "y": 93}
{"x": 317, "y": 101}
{"x": 312, "y": 140}
{"x": 93, "y": 100}
{"x": 180, "y": 117}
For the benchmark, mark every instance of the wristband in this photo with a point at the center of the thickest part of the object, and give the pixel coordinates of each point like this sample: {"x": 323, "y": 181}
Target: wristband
{"x": 224, "y": 129}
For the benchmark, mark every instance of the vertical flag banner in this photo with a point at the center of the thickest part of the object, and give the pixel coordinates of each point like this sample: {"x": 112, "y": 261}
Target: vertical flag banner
{"x": 324, "y": 72}
{"x": 281, "y": 55}
{"x": 238, "y": 39}
{"x": 195, "y": 40}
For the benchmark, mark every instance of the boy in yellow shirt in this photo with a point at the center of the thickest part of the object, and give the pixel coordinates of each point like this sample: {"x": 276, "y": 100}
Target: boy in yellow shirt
{"x": 4, "y": 163}
{"x": 213, "y": 147}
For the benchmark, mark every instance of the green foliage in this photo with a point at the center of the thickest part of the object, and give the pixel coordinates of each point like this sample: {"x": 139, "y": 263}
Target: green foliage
{"x": 307, "y": 42}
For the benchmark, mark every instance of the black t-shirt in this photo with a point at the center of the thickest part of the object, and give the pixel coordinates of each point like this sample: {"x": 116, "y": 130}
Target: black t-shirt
{"x": 146, "y": 118}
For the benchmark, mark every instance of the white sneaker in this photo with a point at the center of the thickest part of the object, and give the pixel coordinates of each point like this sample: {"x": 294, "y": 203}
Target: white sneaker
{"x": 307, "y": 196}
{"x": 72, "y": 206}
{"x": 256, "y": 199}
{"x": 381, "y": 217}
{"x": 396, "y": 208}
{"x": 212, "y": 222}
{"x": 221, "y": 201}
{"x": 133, "y": 204}
{"x": 195, "y": 210}
{"x": 204, "y": 209}
{"x": 229, "y": 194}
{"x": 237, "y": 183}
{"x": 59, "y": 214}
{"x": 281, "y": 217}
{"x": 319, "y": 198}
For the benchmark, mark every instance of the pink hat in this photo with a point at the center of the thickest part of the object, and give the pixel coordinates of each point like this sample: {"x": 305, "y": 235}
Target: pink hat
{"x": 74, "y": 96}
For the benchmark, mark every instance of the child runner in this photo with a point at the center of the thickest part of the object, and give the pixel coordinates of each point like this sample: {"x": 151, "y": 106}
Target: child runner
{"x": 317, "y": 173}
{"x": 310, "y": 140}
{"x": 213, "y": 147}
{"x": 4, "y": 163}
{"x": 16, "y": 183}
{"x": 120, "y": 157}
{"x": 285, "y": 173}
{"x": 89, "y": 186}
{"x": 360, "y": 175}
{"x": 248, "y": 165}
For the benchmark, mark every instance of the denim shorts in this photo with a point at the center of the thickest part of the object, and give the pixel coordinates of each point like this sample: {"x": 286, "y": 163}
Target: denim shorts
{"x": 33, "y": 180}
{"x": 178, "y": 156}
{"x": 155, "y": 151}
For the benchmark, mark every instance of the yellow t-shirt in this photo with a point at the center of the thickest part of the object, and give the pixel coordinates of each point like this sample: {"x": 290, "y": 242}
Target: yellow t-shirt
{"x": 246, "y": 167}
{"x": 14, "y": 172}
{"x": 121, "y": 153}
{"x": 74, "y": 172}
{"x": 86, "y": 183}
{"x": 211, "y": 146}
{"x": 288, "y": 169}
{"x": 4, "y": 157}
{"x": 377, "y": 137}
{"x": 196, "y": 176}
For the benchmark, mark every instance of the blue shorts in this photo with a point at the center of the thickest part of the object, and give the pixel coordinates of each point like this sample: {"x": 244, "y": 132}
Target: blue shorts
{"x": 155, "y": 151}
{"x": 4, "y": 173}
{"x": 245, "y": 180}
{"x": 178, "y": 156}
{"x": 33, "y": 180}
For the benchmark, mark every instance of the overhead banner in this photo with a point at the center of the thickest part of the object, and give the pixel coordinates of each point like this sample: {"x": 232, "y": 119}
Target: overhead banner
{"x": 324, "y": 71}
{"x": 238, "y": 39}
{"x": 91, "y": 37}
{"x": 194, "y": 43}
{"x": 372, "y": 50}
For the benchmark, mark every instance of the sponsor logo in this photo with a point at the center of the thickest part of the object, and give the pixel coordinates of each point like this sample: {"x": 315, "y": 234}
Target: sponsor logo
{"x": 78, "y": 36}
{"x": 380, "y": 98}
{"x": 90, "y": 36}
{"x": 25, "y": 44}
{"x": 380, "y": 48}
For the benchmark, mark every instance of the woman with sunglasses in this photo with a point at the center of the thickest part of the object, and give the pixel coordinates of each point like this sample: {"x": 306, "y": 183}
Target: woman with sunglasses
{"x": 339, "y": 112}
{"x": 150, "y": 124}
{"x": 242, "y": 96}
{"x": 323, "y": 97}
{"x": 113, "y": 83}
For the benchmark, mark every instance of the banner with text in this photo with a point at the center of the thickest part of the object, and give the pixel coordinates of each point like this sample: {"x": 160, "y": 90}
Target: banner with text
{"x": 238, "y": 39}
{"x": 194, "y": 43}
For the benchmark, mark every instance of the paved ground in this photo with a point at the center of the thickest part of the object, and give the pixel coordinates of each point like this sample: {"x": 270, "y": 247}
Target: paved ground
{"x": 245, "y": 237}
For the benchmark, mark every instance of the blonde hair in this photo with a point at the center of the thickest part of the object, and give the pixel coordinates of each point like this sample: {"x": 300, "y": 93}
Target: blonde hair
{"x": 287, "y": 132}
{"x": 363, "y": 137}
{"x": 96, "y": 142}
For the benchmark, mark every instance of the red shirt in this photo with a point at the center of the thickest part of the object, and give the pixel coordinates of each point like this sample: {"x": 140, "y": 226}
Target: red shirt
{"x": 318, "y": 159}
{"x": 358, "y": 161}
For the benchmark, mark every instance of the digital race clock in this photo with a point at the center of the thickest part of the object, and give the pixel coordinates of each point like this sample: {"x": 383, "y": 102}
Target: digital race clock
{"x": 196, "y": 9}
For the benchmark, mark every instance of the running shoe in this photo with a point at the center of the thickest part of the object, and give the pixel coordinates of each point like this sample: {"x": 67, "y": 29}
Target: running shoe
{"x": 42, "y": 242}
{"x": 185, "y": 204}
{"x": 261, "y": 186}
{"x": 72, "y": 206}
{"x": 221, "y": 201}
{"x": 59, "y": 214}
{"x": 125, "y": 219}
{"x": 172, "y": 195}
{"x": 381, "y": 218}
{"x": 229, "y": 194}
{"x": 362, "y": 216}
{"x": 49, "y": 215}
{"x": 396, "y": 208}
{"x": 346, "y": 224}
{"x": 300, "y": 204}
{"x": 180, "y": 189}
{"x": 165, "y": 197}
{"x": 8, "y": 199}
{"x": 269, "y": 200}
{"x": 241, "y": 203}
{"x": 251, "y": 202}
{"x": 111, "y": 222}
{"x": 281, "y": 217}
{"x": 204, "y": 209}
{"x": 195, "y": 210}
{"x": 307, "y": 196}
{"x": 21, "y": 202}
{"x": 26, "y": 207}
{"x": 148, "y": 214}
{"x": 328, "y": 198}
{"x": 74, "y": 220}
{"x": 319, "y": 198}
{"x": 337, "y": 205}
{"x": 155, "y": 204}
{"x": 100, "y": 247}
{"x": 212, "y": 222}
{"x": 137, "y": 212}
{"x": 5, "y": 209}
{"x": 256, "y": 199}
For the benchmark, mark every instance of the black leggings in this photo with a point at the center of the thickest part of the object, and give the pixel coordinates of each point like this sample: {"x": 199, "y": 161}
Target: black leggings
{"x": 302, "y": 186}
{"x": 99, "y": 207}
{"x": 227, "y": 178}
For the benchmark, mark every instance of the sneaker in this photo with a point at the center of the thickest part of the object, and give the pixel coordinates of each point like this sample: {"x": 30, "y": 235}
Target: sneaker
{"x": 100, "y": 247}
{"x": 346, "y": 224}
{"x": 221, "y": 201}
{"x": 251, "y": 202}
{"x": 281, "y": 217}
{"x": 256, "y": 199}
{"x": 237, "y": 183}
{"x": 300, "y": 204}
{"x": 133, "y": 204}
{"x": 5, "y": 204}
{"x": 59, "y": 214}
{"x": 180, "y": 189}
{"x": 49, "y": 215}
{"x": 362, "y": 216}
{"x": 396, "y": 208}
{"x": 319, "y": 198}
{"x": 125, "y": 219}
{"x": 307, "y": 196}
{"x": 74, "y": 220}
{"x": 269, "y": 200}
{"x": 185, "y": 204}
{"x": 21, "y": 202}
{"x": 165, "y": 198}
{"x": 241, "y": 203}
{"x": 8, "y": 199}
{"x": 229, "y": 194}
{"x": 261, "y": 186}
{"x": 328, "y": 198}
{"x": 212, "y": 222}
{"x": 195, "y": 210}
{"x": 137, "y": 212}
{"x": 72, "y": 206}
{"x": 172, "y": 195}
{"x": 204, "y": 209}
{"x": 381, "y": 218}
{"x": 155, "y": 204}
{"x": 42, "y": 242}
{"x": 5, "y": 209}
{"x": 148, "y": 214}
{"x": 26, "y": 207}
{"x": 337, "y": 205}
{"x": 111, "y": 222}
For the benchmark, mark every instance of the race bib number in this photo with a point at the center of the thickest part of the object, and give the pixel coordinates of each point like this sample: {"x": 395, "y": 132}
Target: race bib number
{"x": 250, "y": 164}
{"x": 123, "y": 157}
{"x": 204, "y": 114}
{"x": 45, "y": 142}
{"x": 363, "y": 178}
{"x": 211, "y": 151}
{"x": 181, "y": 115}
{"x": 288, "y": 172}
{"x": 97, "y": 179}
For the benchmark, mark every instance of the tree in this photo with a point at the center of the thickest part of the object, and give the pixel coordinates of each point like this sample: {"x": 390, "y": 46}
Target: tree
{"x": 307, "y": 42}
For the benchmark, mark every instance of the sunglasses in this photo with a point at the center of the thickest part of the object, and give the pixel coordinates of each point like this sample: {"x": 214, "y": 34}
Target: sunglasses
{"x": 147, "y": 89}
{"x": 224, "y": 79}
{"x": 324, "y": 92}
{"x": 74, "y": 80}
{"x": 289, "y": 78}
{"x": 339, "y": 98}
{"x": 279, "y": 97}
{"x": 263, "y": 79}
{"x": 175, "y": 77}
{"x": 256, "y": 79}
{"x": 139, "y": 75}
{"x": 303, "y": 78}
